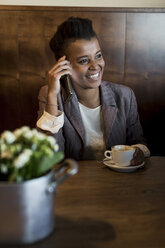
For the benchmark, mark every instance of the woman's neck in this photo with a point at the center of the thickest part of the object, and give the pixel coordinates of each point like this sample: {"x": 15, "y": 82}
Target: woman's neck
{"x": 89, "y": 98}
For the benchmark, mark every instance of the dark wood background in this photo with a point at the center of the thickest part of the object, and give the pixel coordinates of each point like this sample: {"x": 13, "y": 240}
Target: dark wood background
{"x": 133, "y": 44}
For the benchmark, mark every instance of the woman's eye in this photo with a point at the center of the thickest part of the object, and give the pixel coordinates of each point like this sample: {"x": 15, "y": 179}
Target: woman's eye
{"x": 83, "y": 61}
{"x": 98, "y": 56}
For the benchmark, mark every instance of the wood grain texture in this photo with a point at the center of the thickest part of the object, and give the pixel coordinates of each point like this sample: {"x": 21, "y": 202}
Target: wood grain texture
{"x": 102, "y": 208}
{"x": 132, "y": 42}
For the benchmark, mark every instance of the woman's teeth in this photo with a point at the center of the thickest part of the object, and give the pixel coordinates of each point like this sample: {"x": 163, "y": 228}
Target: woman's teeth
{"x": 93, "y": 75}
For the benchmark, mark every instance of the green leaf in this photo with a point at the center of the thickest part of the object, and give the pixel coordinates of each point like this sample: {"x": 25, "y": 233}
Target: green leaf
{"x": 47, "y": 163}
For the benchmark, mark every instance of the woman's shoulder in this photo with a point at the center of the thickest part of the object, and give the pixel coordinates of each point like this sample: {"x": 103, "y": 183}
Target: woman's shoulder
{"x": 116, "y": 88}
{"x": 116, "y": 94}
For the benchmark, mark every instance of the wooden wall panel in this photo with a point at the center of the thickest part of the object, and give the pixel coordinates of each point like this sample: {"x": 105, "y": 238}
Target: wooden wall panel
{"x": 112, "y": 40}
{"x": 132, "y": 41}
{"x": 9, "y": 103}
{"x": 144, "y": 72}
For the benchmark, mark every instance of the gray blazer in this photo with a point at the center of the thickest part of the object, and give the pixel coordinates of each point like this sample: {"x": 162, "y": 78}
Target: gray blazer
{"x": 121, "y": 123}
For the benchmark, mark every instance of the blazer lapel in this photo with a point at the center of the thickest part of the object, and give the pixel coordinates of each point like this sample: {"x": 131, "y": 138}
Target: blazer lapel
{"x": 109, "y": 111}
{"x": 72, "y": 111}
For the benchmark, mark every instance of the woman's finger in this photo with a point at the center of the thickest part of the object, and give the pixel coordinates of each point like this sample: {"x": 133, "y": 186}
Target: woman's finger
{"x": 59, "y": 69}
{"x": 60, "y": 62}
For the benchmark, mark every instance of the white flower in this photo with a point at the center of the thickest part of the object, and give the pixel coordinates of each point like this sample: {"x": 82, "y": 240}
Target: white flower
{"x": 51, "y": 140}
{"x": 40, "y": 136}
{"x": 8, "y": 136}
{"x": 28, "y": 135}
{"x": 56, "y": 147}
{"x": 23, "y": 158}
{"x": 24, "y": 129}
{"x": 34, "y": 131}
{"x": 18, "y": 132}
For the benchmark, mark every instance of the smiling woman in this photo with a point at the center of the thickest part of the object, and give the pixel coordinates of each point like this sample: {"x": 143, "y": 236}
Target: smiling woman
{"x": 98, "y": 114}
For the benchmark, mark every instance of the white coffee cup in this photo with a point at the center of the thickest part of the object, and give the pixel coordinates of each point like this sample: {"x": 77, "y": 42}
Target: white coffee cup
{"x": 120, "y": 154}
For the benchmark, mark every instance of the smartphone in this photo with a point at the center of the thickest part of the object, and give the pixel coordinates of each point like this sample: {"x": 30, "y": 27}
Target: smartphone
{"x": 66, "y": 84}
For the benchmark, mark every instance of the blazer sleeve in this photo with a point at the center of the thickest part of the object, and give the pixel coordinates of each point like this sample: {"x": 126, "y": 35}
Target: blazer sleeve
{"x": 42, "y": 98}
{"x": 134, "y": 129}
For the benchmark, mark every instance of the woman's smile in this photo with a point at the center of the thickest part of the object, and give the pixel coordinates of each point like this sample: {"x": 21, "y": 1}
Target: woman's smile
{"x": 94, "y": 76}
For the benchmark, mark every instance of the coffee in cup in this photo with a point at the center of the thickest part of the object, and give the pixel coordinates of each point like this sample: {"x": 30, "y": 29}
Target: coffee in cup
{"x": 120, "y": 154}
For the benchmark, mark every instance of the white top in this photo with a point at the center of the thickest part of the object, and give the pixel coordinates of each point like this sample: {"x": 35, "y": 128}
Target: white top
{"x": 94, "y": 142}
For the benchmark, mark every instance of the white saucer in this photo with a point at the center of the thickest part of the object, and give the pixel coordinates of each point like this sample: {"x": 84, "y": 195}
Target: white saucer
{"x": 116, "y": 167}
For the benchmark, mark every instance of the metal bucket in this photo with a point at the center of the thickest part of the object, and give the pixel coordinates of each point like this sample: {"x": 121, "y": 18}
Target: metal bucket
{"x": 27, "y": 209}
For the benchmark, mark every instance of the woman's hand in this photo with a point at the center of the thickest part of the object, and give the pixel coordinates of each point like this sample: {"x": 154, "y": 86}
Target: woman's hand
{"x": 61, "y": 68}
{"x": 138, "y": 157}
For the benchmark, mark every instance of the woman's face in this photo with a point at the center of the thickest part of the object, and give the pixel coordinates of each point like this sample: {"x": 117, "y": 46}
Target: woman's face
{"x": 87, "y": 63}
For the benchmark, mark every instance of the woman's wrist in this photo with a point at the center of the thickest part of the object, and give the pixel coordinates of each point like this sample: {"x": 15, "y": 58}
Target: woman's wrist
{"x": 52, "y": 97}
{"x": 52, "y": 104}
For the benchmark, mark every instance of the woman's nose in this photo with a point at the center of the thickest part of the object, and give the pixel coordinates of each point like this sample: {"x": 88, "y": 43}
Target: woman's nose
{"x": 93, "y": 65}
